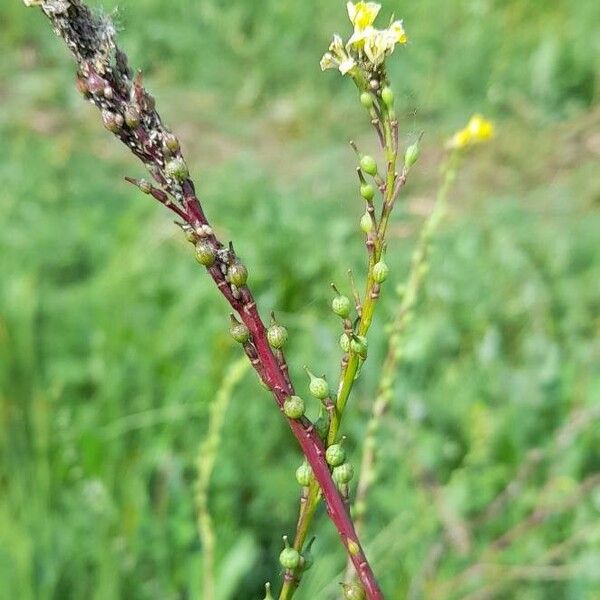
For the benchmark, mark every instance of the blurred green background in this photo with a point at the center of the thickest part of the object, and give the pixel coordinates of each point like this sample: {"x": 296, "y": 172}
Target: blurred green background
{"x": 113, "y": 343}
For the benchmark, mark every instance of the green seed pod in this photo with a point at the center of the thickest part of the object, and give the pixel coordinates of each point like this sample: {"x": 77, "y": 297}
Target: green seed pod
{"x": 205, "y": 253}
{"x": 335, "y": 455}
{"x": 358, "y": 345}
{"x": 387, "y": 95}
{"x": 177, "y": 169}
{"x": 343, "y": 474}
{"x": 345, "y": 342}
{"x": 322, "y": 425}
{"x": 380, "y": 272}
{"x": 238, "y": 274}
{"x": 353, "y": 591}
{"x": 132, "y": 117}
{"x": 412, "y": 155}
{"x": 341, "y": 306}
{"x": 171, "y": 142}
{"x": 366, "y": 223}
{"x": 277, "y": 336}
{"x": 289, "y": 557}
{"x": 366, "y": 100}
{"x": 293, "y": 407}
{"x": 304, "y": 475}
{"x": 318, "y": 386}
{"x": 268, "y": 595}
{"x": 367, "y": 191}
{"x": 368, "y": 165}
{"x": 239, "y": 332}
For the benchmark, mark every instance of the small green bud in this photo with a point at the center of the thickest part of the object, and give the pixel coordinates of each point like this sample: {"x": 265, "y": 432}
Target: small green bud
{"x": 238, "y": 274}
{"x": 387, "y": 95}
{"x": 366, "y": 223}
{"x": 239, "y": 332}
{"x": 268, "y": 595}
{"x": 380, "y": 272}
{"x": 341, "y": 306}
{"x": 289, "y": 557}
{"x": 277, "y": 336}
{"x": 322, "y": 425}
{"x": 412, "y": 155}
{"x": 205, "y": 253}
{"x": 358, "y": 345}
{"x": 368, "y": 165}
{"x": 343, "y": 474}
{"x": 177, "y": 169}
{"x": 335, "y": 455}
{"x": 293, "y": 407}
{"x": 353, "y": 591}
{"x": 345, "y": 342}
{"x": 304, "y": 475}
{"x": 132, "y": 117}
{"x": 367, "y": 191}
{"x": 366, "y": 100}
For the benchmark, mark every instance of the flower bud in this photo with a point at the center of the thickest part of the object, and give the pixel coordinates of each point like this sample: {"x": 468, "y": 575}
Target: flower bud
{"x": 343, "y": 474}
{"x": 387, "y": 95}
{"x": 318, "y": 386}
{"x": 277, "y": 336}
{"x": 380, "y": 272}
{"x": 412, "y": 155}
{"x": 335, "y": 455}
{"x": 132, "y": 117}
{"x": 238, "y": 274}
{"x": 353, "y": 591}
{"x": 366, "y": 223}
{"x": 293, "y": 407}
{"x": 177, "y": 169}
{"x": 368, "y": 165}
{"x": 304, "y": 475}
{"x": 289, "y": 557}
{"x": 366, "y": 100}
{"x": 239, "y": 331}
{"x": 367, "y": 191}
{"x": 205, "y": 253}
{"x": 345, "y": 342}
{"x": 341, "y": 306}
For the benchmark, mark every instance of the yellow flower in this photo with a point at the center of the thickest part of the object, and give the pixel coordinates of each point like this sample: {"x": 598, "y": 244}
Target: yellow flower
{"x": 397, "y": 33}
{"x": 376, "y": 46}
{"x": 337, "y": 57}
{"x": 478, "y": 130}
{"x": 363, "y": 14}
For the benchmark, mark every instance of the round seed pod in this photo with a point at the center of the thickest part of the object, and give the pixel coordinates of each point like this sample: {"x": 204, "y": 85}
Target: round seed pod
{"x": 366, "y": 100}
{"x": 239, "y": 332}
{"x": 335, "y": 455}
{"x": 177, "y": 169}
{"x": 343, "y": 474}
{"x": 366, "y": 223}
{"x": 171, "y": 142}
{"x": 294, "y": 407}
{"x": 318, "y": 387}
{"x": 304, "y": 475}
{"x": 387, "y": 95}
{"x": 412, "y": 155}
{"x": 345, "y": 342}
{"x": 380, "y": 272}
{"x": 353, "y": 591}
{"x": 206, "y": 254}
{"x": 110, "y": 121}
{"x": 368, "y": 165}
{"x": 132, "y": 117}
{"x": 341, "y": 306}
{"x": 277, "y": 336}
{"x": 367, "y": 191}
{"x": 358, "y": 345}
{"x": 238, "y": 274}
{"x": 289, "y": 557}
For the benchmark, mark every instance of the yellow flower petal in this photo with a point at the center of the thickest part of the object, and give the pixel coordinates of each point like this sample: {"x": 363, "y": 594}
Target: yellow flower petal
{"x": 363, "y": 14}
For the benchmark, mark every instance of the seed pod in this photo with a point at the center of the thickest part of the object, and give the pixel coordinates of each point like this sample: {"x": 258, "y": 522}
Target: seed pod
{"x": 345, "y": 342}
{"x": 110, "y": 121}
{"x": 177, "y": 169}
{"x": 304, "y": 475}
{"x": 132, "y": 117}
{"x": 368, "y": 165}
{"x": 277, "y": 336}
{"x": 318, "y": 386}
{"x": 294, "y": 407}
{"x": 171, "y": 142}
{"x": 358, "y": 345}
{"x": 238, "y": 274}
{"x": 289, "y": 557}
{"x": 366, "y": 223}
{"x": 343, "y": 474}
{"x": 380, "y": 272}
{"x": 335, "y": 455}
{"x": 205, "y": 253}
{"x": 341, "y": 306}
{"x": 239, "y": 332}
{"x": 412, "y": 155}
{"x": 387, "y": 95}
{"x": 366, "y": 100}
{"x": 367, "y": 191}
{"x": 353, "y": 591}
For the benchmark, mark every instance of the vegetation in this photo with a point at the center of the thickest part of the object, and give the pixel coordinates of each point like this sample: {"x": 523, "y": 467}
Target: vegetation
{"x": 112, "y": 346}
